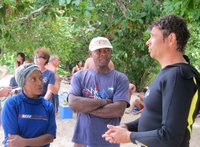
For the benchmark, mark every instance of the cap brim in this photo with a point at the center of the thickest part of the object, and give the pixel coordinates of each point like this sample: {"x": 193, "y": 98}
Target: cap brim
{"x": 100, "y": 47}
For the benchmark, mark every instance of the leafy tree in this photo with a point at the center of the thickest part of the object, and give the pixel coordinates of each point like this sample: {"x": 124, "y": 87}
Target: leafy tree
{"x": 67, "y": 26}
{"x": 190, "y": 10}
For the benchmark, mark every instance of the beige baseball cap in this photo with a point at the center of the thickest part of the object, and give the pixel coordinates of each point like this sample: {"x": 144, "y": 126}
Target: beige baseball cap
{"x": 98, "y": 43}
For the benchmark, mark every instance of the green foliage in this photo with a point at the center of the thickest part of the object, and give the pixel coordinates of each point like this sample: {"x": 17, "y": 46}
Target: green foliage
{"x": 66, "y": 27}
{"x": 193, "y": 48}
{"x": 190, "y": 10}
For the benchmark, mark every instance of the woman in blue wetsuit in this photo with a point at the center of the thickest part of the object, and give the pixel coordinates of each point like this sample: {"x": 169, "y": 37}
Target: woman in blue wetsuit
{"x": 27, "y": 118}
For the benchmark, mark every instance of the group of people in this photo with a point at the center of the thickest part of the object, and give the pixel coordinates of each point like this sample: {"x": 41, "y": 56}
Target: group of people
{"x": 37, "y": 103}
{"x": 99, "y": 95}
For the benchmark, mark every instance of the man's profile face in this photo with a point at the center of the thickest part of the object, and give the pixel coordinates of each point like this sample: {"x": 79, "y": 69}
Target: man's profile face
{"x": 157, "y": 46}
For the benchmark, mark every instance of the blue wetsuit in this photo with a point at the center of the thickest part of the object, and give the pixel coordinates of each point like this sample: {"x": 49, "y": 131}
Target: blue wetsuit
{"x": 27, "y": 117}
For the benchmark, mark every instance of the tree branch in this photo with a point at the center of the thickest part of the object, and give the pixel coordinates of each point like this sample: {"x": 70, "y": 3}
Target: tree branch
{"x": 32, "y": 13}
{"x": 122, "y": 7}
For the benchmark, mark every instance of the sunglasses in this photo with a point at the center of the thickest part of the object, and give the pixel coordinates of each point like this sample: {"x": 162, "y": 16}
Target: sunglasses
{"x": 37, "y": 57}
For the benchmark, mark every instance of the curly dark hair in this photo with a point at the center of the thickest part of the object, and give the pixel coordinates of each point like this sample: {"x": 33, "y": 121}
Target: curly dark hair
{"x": 173, "y": 23}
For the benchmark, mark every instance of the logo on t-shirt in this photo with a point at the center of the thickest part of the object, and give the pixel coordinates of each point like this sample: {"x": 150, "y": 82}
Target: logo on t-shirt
{"x": 97, "y": 92}
{"x": 28, "y": 116}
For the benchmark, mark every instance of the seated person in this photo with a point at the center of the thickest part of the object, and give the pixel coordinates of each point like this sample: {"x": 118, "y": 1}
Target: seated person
{"x": 138, "y": 104}
{"x": 78, "y": 67}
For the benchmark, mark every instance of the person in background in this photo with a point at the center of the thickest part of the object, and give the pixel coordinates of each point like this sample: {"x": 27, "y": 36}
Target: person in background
{"x": 29, "y": 60}
{"x": 89, "y": 63}
{"x": 78, "y": 67}
{"x": 138, "y": 104}
{"x": 27, "y": 118}
{"x": 171, "y": 102}
{"x": 3, "y": 71}
{"x": 99, "y": 96}
{"x": 41, "y": 58}
{"x": 20, "y": 61}
{"x": 132, "y": 89}
{"x": 4, "y": 91}
{"x": 54, "y": 62}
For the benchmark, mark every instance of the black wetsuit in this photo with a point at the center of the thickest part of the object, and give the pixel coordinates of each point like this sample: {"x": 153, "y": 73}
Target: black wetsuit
{"x": 170, "y": 109}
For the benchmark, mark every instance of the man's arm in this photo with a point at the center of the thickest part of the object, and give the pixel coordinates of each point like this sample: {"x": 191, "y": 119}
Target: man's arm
{"x": 86, "y": 105}
{"x": 4, "y": 72}
{"x": 86, "y": 65}
{"x": 49, "y": 91}
{"x": 111, "y": 65}
{"x": 111, "y": 110}
{"x": 5, "y": 91}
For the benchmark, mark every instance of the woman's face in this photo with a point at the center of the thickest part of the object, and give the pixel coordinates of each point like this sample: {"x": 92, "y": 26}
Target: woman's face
{"x": 33, "y": 85}
{"x": 19, "y": 58}
{"x": 80, "y": 63}
{"x": 39, "y": 60}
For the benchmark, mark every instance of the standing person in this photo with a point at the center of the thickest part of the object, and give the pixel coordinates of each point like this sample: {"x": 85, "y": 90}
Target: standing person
{"x": 54, "y": 62}
{"x": 41, "y": 58}
{"x": 89, "y": 63}
{"x": 78, "y": 67}
{"x": 27, "y": 118}
{"x": 172, "y": 98}
{"x": 99, "y": 96}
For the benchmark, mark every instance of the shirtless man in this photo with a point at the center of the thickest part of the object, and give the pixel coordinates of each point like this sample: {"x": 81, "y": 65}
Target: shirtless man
{"x": 54, "y": 62}
{"x": 89, "y": 63}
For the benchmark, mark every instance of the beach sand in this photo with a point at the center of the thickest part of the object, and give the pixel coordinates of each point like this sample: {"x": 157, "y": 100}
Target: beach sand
{"x": 65, "y": 127}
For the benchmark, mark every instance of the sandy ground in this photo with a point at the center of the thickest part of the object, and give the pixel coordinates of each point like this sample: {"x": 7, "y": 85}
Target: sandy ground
{"x": 65, "y": 126}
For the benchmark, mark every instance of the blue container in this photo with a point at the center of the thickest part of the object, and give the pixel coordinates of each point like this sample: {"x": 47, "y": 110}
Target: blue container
{"x": 135, "y": 110}
{"x": 65, "y": 112}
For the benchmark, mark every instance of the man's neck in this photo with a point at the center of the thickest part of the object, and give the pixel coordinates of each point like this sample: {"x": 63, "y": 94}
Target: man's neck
{"x": 172, "y": 59}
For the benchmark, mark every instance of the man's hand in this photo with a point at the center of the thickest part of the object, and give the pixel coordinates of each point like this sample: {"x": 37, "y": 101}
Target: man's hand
{"x": 117, "y": 134}
{"x": 5, "y": 91}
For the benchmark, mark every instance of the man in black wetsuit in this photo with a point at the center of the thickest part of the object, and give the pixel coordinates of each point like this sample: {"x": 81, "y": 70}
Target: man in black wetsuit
{"x": 172, "y": 98}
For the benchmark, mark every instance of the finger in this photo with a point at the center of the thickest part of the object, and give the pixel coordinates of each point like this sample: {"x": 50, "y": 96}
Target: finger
{"x": 10, "y": 136}
{"x": 105, "y": 135}
{"x": 109, "y": 131}
{"x": 110, "y": 139}
{"x": 110, "y": 126}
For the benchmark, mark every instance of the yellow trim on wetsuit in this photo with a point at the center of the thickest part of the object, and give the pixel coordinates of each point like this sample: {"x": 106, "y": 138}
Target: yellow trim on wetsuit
{"x": 192, "y": 108}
